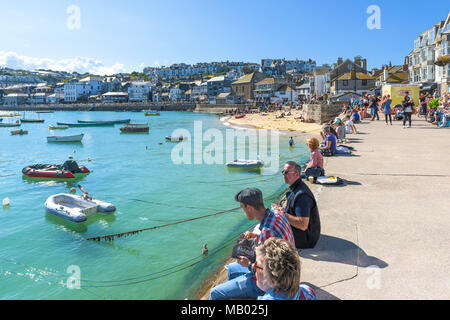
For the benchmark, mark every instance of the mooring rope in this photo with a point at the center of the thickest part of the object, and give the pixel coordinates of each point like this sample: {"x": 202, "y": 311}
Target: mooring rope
{"x": 116, "y": 283}
{"x": 111, "y": 237}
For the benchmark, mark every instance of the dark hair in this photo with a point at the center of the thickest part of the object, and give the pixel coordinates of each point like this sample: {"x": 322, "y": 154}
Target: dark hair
{"x": 296, "y": 166}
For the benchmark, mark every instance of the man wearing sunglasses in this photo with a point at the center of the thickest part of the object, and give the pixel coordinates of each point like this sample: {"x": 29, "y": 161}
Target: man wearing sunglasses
{"x": 241, "y": 274}
{"x": 300, "y": 208}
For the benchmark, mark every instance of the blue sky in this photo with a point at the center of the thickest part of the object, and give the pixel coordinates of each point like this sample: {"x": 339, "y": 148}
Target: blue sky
{"x": 128, "y": 35}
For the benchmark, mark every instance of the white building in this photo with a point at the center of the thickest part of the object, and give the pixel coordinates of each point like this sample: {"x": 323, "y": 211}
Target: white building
{"x": 73, "y": 90}
{"x": 175, "y": 94}
{"x": 92, "y": 85}
{"x": 15, "y": 99}
{"x": 38, "y": 98}
{"x": 139, "y": 91}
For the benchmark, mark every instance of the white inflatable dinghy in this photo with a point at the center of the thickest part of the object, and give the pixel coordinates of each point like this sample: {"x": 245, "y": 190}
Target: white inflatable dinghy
{"x": 76, "y": 208}
{"x": 245, "y": 164}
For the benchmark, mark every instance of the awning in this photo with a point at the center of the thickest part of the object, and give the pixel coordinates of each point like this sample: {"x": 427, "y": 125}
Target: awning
{"x": 429, "y": 87}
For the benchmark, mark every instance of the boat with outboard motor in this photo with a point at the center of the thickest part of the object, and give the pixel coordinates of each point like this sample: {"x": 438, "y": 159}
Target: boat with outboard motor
{"x": 68, "y": 170}
{"x": 75, "y": 208}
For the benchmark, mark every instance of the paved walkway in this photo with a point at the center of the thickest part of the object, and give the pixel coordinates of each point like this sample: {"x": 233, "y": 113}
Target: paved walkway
{"x": 386, "y": 231}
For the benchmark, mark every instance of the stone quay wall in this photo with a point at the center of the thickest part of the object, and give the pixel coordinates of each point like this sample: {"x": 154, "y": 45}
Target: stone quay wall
{"x": 322, "y": 113}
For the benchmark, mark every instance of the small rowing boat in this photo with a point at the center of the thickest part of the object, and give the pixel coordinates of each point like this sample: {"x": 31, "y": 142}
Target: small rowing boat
{"x": 175, "y": 139}
{"x": 74, "y": 138}
{"x": 56, "y": 127}
{"x": 135, "y": 128}
{"x": 19, "y": 132}
{"x": 32, "y": 120}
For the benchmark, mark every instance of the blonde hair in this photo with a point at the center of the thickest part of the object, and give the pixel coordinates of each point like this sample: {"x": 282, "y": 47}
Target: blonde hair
{"x": 281, "y": 264}
{"x": 313, "y": 143}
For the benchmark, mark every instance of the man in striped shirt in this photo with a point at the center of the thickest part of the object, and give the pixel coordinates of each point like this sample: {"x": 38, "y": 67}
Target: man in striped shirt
{"x": 241, "y": 274}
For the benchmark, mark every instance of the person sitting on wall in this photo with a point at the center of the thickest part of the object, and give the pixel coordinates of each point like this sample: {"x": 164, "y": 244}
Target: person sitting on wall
{"x": 328, "y": 148}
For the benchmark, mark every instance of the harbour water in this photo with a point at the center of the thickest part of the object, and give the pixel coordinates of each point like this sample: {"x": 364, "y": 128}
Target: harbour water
{"x": 42, "y": 257}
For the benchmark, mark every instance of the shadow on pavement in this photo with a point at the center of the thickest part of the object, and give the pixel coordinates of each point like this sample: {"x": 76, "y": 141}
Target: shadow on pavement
{"x": 332, "y": 249}
{"x": 320, "y": 293}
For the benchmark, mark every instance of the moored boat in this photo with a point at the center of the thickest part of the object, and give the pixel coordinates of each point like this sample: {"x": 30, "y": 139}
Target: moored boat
{"x": 19, "y": 132}
{"x": 76, "y": 208}
{"x": 11, "y": 124}
{"x": 32, "y": 120}
{"x": 68, "y": 170}
{"x": 74, "y": 138}
{"x": 93, "y": 124}
{"x": 44, "y": 111}
{"x": 175, "y": 139}
{"x": 56, "y": 127}
{"x": 106, "y": 122}
{"x": 135, "y": 128}
{"x": 245, "y": 164}
{"x": 156, "y": 113}
{"x": 240, "y": 117}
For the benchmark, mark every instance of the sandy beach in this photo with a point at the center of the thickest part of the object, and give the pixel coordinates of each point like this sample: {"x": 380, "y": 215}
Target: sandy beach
{"x": 289, "y": 124}
{"x": 385, "y": 230}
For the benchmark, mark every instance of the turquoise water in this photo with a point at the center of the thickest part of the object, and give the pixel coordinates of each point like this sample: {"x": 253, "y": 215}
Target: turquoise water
{"x": 38, "y": 250}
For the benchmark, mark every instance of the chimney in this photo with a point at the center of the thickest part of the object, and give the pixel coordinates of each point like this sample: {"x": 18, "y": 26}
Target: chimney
{"x": 364, "y": 66}
{"x": 340, "y": 61}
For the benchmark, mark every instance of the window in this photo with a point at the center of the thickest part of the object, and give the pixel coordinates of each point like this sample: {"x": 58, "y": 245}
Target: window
{"x": 345, "y": 83}
{"x": 364, "y": 82}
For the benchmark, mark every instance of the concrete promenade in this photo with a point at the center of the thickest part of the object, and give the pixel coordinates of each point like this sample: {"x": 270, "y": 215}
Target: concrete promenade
{"x": 386, "y": 231}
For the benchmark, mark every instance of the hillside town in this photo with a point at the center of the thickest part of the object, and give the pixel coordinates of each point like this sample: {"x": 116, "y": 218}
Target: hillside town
{"x": 232, "y": 83}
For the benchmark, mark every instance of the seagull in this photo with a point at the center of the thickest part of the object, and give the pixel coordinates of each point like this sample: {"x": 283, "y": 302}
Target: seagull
{"x": 205, "y": 249}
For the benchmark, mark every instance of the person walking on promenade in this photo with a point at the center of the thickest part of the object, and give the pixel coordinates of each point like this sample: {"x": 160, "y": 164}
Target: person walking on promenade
{"x": 374, "y": 107}
{"x": 241, "y": 274}
{"x": 300, "y": 207}
{"x": 407, "y": 106}
{"x": 278, "y": 269}
{"x": 387, "y": 108}
{"x": 423, "y": 106}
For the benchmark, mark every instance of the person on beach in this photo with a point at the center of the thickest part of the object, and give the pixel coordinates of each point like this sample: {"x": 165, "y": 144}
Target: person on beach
{"x": 355, "y": 117}
{"x": 387, "y": 108}
{"x": 315, "y": 166}
{"x": 278, "y": 270}
{"x": 241, "y": 274}
{"x": 374, "y": 107}
{"x": 330, "y": 143}
{"x": 300, "y": 208}
{"x": 407, "y": 106}
{"x": 350, "y": 126}
{"x": 340, "y": 129}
